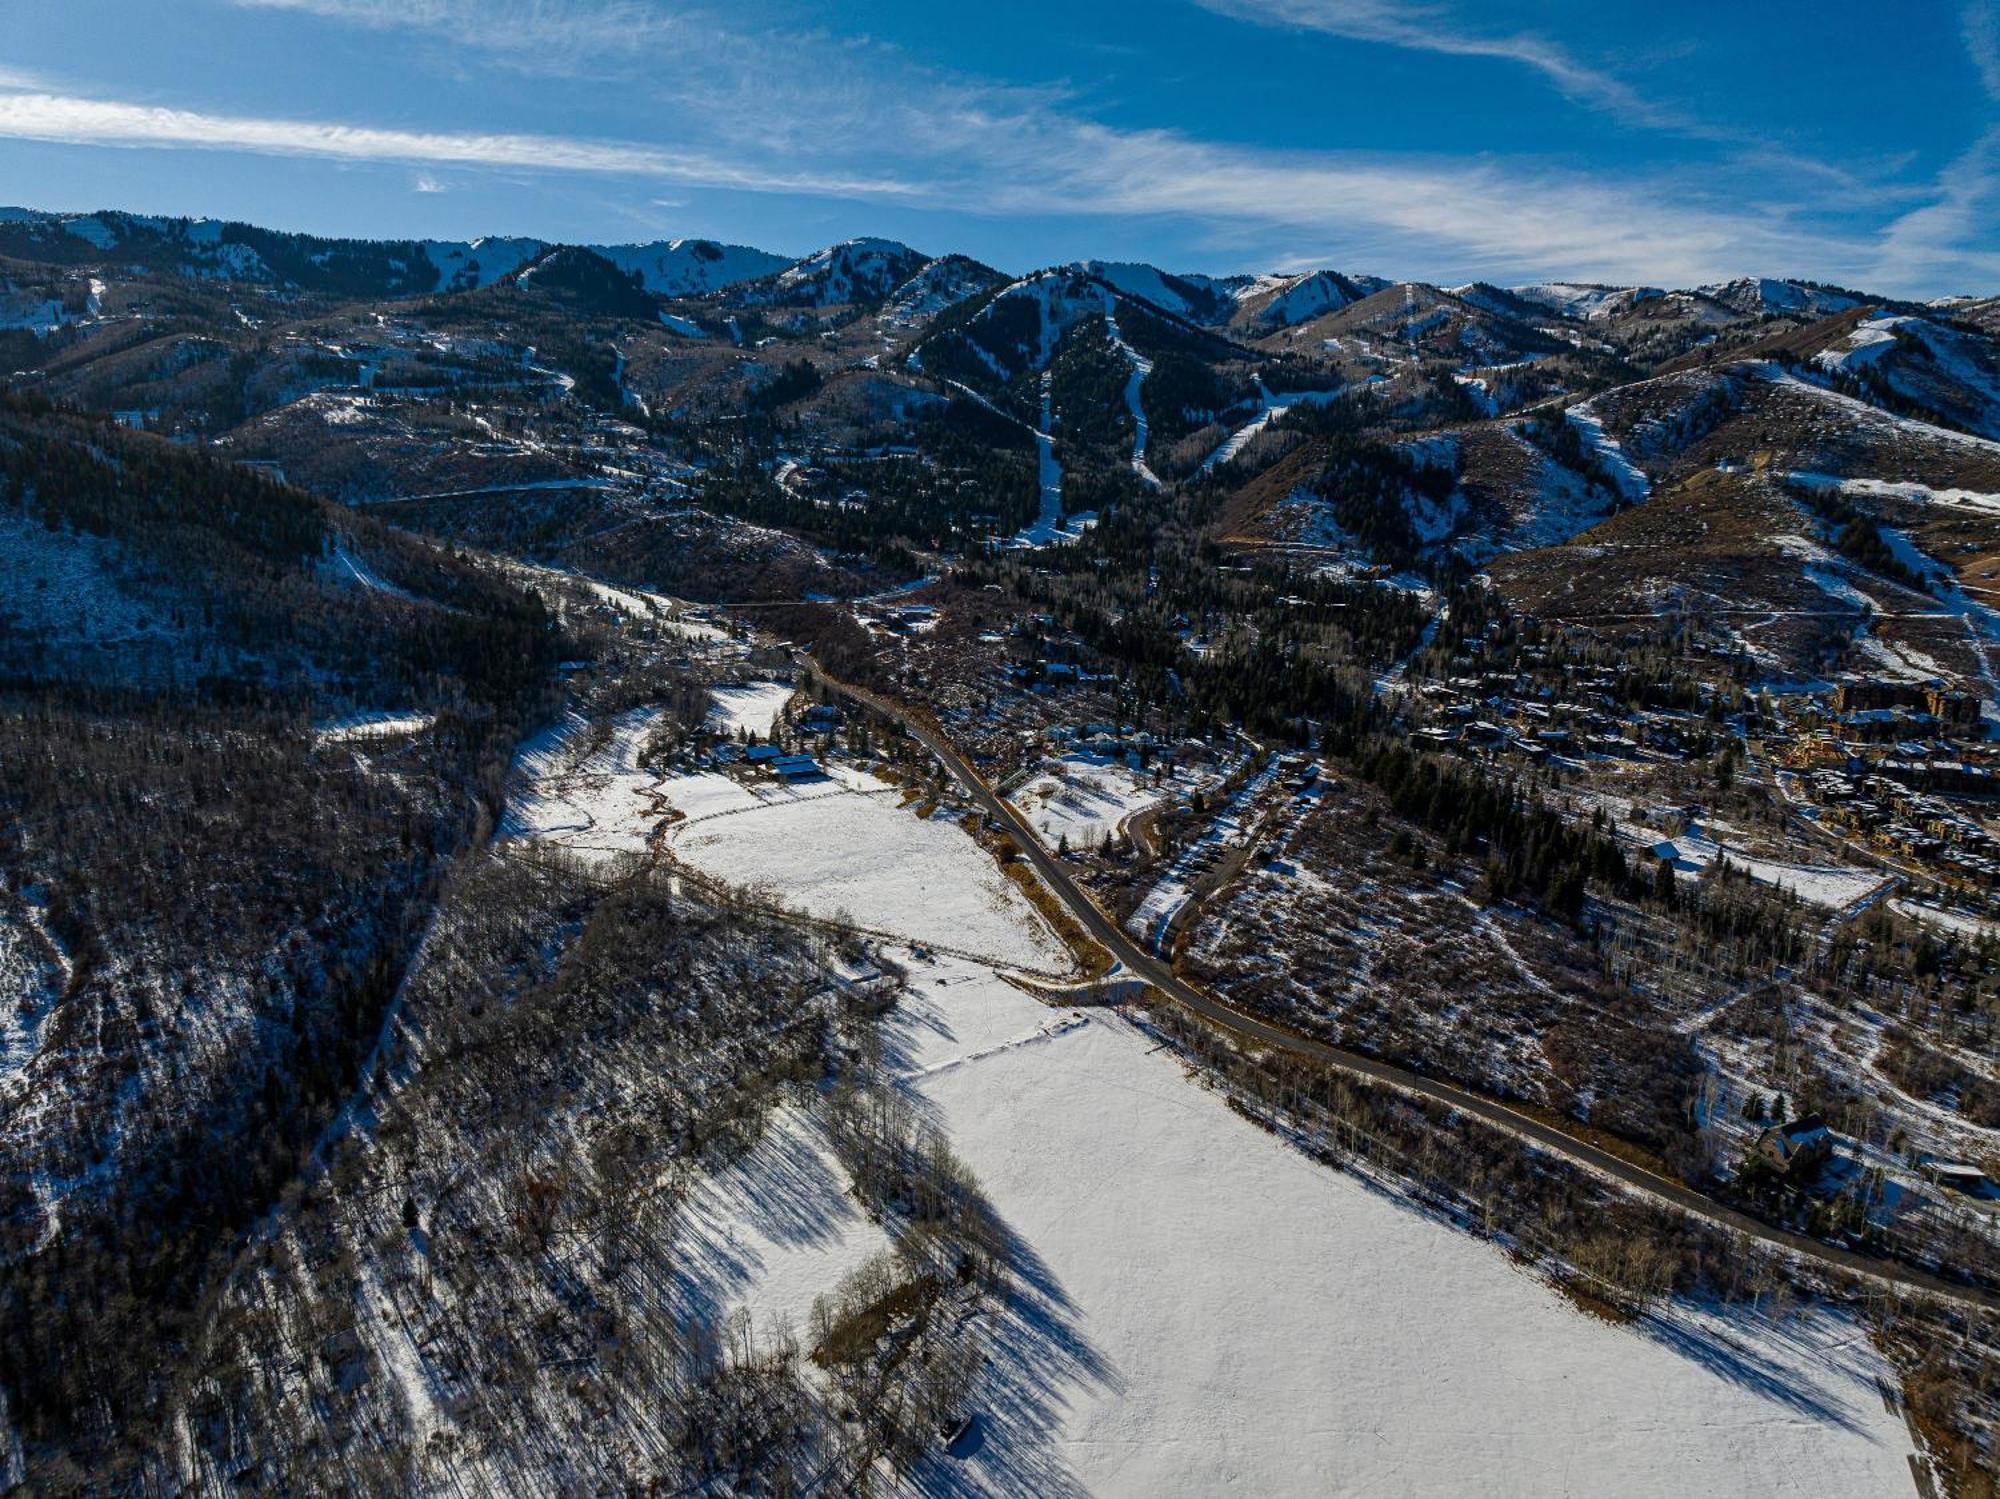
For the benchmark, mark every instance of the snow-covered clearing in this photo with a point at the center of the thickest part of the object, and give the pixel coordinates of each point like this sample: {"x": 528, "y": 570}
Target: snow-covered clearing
{"x": 1920, "y": 494}
{"x": 591, "y": 800}
{"x": 634, "y": 603}
{"x": 1204, "y": 1310}
{"x": 1834, "y": 886}
{"x": 376, "y": 725}
{"x": 849, "y": 851}
{"x": 1084, "y": 798}
{"x": 751, "y": 708}
{"x": 1958, "y": 923}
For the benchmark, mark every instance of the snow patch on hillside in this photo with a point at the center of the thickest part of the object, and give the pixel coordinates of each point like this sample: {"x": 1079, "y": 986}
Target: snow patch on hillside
{"x": 1584, "y": 301}
{"x": 1630, "y": 478}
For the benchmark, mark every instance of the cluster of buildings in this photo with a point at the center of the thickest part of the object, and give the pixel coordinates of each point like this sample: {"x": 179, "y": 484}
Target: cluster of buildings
{"x": 1898, "y": 765}
{"x": 1502, "y": 712}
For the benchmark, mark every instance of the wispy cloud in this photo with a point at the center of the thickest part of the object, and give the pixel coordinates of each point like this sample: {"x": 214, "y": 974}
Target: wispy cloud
{"x": 73, "y": 120}
{"x": 1444, "y": 217}
{"x": 554, "y": 37}
{"x": 1981, "y": 24}
{"x": 986, "y": 153}
{"x": 1955, "y": 231}
{"x": 1433, "y": 28}
{"x": 1952, "y": 238}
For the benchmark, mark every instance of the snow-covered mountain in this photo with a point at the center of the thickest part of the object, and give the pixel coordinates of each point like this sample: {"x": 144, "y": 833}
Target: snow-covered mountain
{"x": 468, "y": 265}
{"x": 853, "y": 271}
{"x": 942, "y": 283}
{"x": 1199, "y": 299}
{"x": 692, "y": 267}
{"x": 1937, "y": 369}
{"x": 1585, "y": 301}
{"x": 1019, "y": 327}
{"x": 1754, "y": 296}
{"x": 1254, "y": 303}
{"x": 218, "y": 249}
{"x": 1273, "y": 302}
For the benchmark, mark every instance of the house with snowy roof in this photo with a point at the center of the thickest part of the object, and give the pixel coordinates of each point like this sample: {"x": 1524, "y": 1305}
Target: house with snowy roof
{"x": 1797, "y": 1147}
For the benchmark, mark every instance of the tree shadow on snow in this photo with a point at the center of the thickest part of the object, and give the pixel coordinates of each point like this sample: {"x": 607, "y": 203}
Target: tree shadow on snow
{"x": 1802, "y": 1386}
{"x": 1039, "y": 1363}
{"x": 785, "y": 1191}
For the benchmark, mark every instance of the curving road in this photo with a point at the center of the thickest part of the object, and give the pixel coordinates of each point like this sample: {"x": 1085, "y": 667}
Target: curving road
{"x": 1491, "y": 1111}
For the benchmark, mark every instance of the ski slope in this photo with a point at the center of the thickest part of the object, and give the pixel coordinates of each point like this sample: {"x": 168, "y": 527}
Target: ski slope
{"x": 1141, "y": 368}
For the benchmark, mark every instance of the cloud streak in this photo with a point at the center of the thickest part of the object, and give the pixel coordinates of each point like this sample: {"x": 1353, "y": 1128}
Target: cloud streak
{"x": 1981, "y": 24}
{"x": 1429, "y": 28}
{"x": 72, "y": 120}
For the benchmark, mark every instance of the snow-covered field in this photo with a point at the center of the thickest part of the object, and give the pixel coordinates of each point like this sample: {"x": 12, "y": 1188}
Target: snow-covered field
{"x": 1198, "y": 1307}
{"x": 752, "y": 708}
{"x": 1083, "y": 798}
{"x": 1207, "y": 1311}
{"x": 846, "y": 848}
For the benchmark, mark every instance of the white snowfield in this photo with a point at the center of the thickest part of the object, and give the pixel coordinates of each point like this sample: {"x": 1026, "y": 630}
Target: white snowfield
{"x": 380, "y": 724}
{"x": 1834, "y": 886}
{"x": 1206, "y": 1311}
{"x": 753, "y": 707}
{"x": 845, "y": 848}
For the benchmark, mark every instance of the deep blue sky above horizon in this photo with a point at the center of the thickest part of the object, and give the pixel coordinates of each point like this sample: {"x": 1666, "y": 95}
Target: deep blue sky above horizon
{"x": 1441, "y": 140}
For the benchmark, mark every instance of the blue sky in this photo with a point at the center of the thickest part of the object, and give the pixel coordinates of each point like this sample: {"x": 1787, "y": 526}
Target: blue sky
{"x": 1432, "y": 139}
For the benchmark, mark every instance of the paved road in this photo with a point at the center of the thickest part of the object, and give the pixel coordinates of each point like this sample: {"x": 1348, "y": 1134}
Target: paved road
{"x": 1491, "y": 1111}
